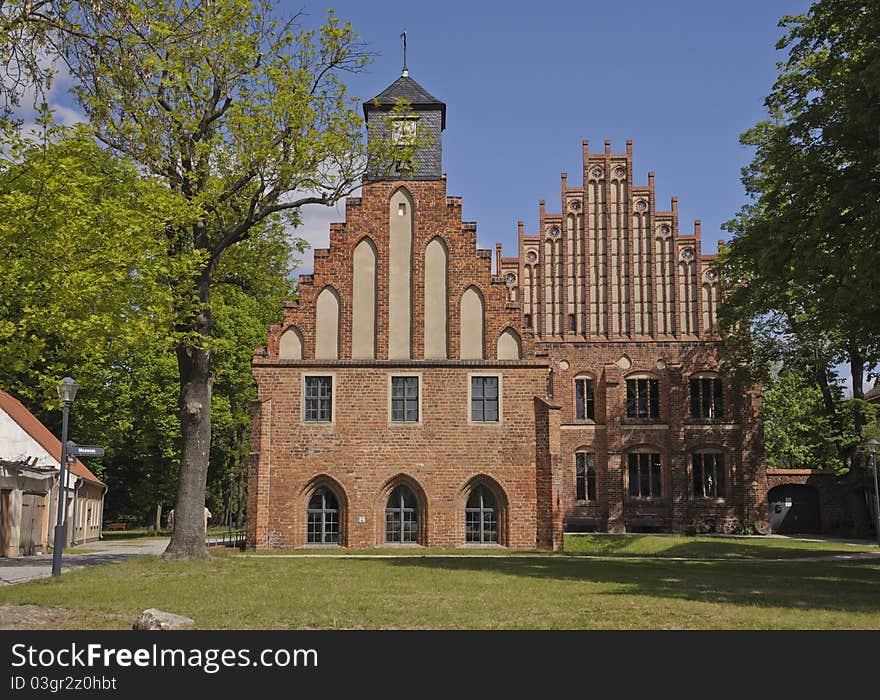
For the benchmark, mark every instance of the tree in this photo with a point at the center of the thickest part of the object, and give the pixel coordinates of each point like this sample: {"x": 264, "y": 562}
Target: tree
{"x": 25, "y": 28}
{"x": 84, "y": 278}
{"x": 799, "y": 431}
{"x": 805, "y": 255}
{"x": 80, "y": 267}
{"x": 244, "y": 119}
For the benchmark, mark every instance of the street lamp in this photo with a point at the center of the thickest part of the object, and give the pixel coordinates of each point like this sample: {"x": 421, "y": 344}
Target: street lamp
{"x": 872, "y": 448}
{"x": 66, "y": 392}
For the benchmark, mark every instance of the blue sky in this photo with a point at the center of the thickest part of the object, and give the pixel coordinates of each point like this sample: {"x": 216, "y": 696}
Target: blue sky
{"x": 525, "y": 83}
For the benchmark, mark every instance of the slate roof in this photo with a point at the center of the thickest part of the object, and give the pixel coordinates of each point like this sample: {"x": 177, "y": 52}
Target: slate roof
{"x": 406, "y": 88}
{"x": 41, "y": 434}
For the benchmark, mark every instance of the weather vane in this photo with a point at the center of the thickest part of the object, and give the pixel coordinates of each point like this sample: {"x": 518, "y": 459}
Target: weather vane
{"x": 405, "y": 71}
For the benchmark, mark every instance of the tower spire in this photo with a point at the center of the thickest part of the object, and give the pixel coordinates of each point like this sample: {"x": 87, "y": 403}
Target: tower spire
{"x": 405, "y": 72}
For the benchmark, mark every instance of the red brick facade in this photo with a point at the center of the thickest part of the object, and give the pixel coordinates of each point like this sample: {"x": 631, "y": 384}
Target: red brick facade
{"x": 623, "y": 296}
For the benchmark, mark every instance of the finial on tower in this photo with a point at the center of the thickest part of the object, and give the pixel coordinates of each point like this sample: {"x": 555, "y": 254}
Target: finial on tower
{"x": 405, "y": 72}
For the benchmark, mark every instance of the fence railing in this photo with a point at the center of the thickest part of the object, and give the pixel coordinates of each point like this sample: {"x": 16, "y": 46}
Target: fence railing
{"x": 230, "y": 538}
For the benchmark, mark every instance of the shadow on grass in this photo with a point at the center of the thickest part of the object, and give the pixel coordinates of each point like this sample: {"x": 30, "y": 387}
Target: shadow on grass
{"x": 842, "y": 586}
{"x": 701, "y": 549}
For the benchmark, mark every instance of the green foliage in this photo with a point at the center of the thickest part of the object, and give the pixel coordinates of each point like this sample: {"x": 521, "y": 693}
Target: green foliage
{"x": 803, "y": 267}
{"x": 744, "y": 528}
{"x": 807, "y": 247}
{"x": 82, "y": 268}
{"x": 798, "y": 432}
{"x": 85, "y": 275}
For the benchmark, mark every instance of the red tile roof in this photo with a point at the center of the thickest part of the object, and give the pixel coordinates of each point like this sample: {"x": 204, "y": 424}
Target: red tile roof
{"x": 41, "y": 434}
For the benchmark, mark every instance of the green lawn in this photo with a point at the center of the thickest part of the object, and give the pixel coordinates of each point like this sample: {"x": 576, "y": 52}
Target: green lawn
{"x": 666, "y": 546}
{"x": 482, "y": 592}
{"x": 708, "y": 547}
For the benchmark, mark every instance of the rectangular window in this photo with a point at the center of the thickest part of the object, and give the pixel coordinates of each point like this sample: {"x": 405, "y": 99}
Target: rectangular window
{"x": 585, "y": 471}
{"x": 319, "y": 399}
{"x": 708, "y": 472}
{"x": 405, "y": 399}
{"x": 706, "y": 398}
{"x": 403, "y": 131}
{"x": 644, "y": 475}
{"x": 642, "y": 398}
{"x": 484, "y": 399}
{"x": 584, "y": 399}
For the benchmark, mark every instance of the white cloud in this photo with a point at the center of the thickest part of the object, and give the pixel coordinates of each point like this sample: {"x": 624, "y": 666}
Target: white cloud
{"x": 315, "y": 228}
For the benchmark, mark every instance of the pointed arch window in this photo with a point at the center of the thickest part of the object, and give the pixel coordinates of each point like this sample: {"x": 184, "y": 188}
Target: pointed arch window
{"x": 402, "y": 517}
{"x": 481, "y": 517}
{"x": 323, "y": 518}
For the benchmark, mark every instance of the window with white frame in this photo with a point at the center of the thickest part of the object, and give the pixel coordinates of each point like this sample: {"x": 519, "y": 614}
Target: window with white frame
{"x": 484, "y": 399}
{"x": 584, "y": 398}
{"x": 404, "y": 130}
{"x": 318, "y": 399}
{"x": 405, "y": 399}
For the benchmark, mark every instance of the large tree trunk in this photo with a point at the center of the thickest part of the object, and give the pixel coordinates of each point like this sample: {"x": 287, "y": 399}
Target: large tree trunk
{"x": 194, "y": 364}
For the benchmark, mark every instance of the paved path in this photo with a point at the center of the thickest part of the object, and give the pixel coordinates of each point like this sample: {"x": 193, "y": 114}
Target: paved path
{"x": 20, "y": 569}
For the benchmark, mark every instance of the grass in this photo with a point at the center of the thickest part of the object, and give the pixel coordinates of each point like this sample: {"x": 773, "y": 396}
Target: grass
{"x": 479, "y": 592}
{"x": 711, "y": 547}
{"x": 666, "y": 546}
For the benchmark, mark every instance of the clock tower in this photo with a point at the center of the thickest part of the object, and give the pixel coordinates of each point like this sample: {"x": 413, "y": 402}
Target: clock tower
{"x": 426, "y": 116}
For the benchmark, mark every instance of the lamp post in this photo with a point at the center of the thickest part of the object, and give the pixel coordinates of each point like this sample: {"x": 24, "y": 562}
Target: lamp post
{"x": 872, "y": 448}
{"x": 66, "y": 392}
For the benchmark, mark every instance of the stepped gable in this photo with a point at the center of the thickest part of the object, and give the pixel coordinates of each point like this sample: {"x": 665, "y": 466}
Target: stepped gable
{"x": 629, "y": 273}
{"x": 435, "y": 215}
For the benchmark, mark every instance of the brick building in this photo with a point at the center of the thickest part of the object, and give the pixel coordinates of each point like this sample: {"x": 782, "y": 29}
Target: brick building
{"x": 414, "y": 395}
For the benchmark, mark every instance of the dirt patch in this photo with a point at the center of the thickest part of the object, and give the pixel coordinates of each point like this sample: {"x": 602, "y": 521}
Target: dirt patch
{"x": 35, "y": 617}
{"x": 32, "y": 617}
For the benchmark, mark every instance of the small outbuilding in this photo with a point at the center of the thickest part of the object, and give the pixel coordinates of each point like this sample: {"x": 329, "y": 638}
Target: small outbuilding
{"x": 30, "y": 461}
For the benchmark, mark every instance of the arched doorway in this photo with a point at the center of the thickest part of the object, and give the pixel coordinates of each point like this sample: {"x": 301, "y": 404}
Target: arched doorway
{"x": 794, "y": 509}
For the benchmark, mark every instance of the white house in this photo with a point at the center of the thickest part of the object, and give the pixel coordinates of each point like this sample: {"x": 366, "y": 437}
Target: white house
{"x": 30, "y": 459}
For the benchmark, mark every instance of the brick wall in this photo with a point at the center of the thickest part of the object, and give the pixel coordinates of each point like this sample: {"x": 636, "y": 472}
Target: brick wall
{"x": 675, "y": 435}
{"x": 528, "y": 458}
{"x": 362, "y": 455}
